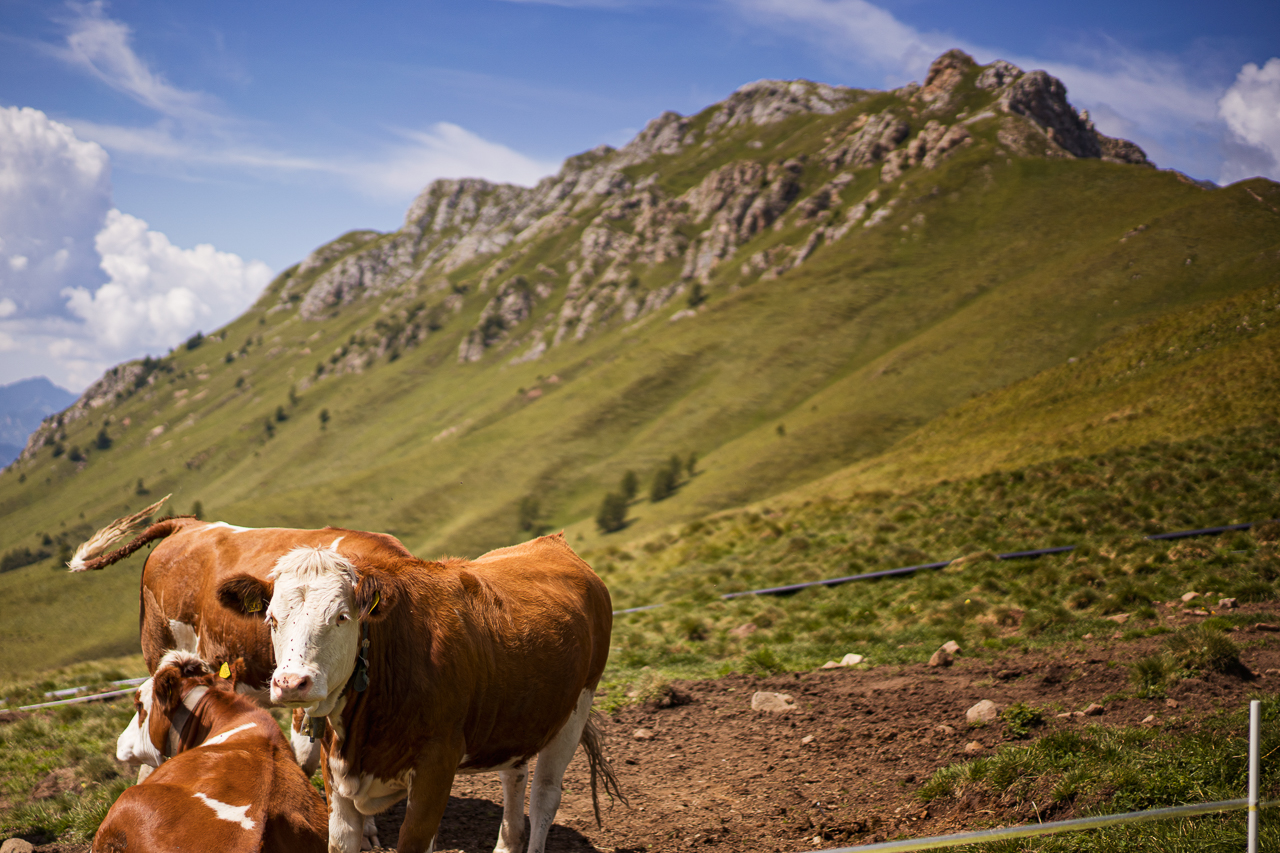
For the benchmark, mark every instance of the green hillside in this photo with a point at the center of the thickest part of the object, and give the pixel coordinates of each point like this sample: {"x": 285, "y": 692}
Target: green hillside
{"x": 807, "y": 287}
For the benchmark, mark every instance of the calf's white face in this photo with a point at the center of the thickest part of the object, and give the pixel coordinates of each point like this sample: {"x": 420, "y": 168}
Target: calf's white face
{"x": 314, "y": 628}
{"x": 134, "y": 745}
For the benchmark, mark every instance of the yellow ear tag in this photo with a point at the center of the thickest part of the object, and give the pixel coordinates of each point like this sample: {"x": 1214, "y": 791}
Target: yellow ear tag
{"x": 253, "y": 605}
{"x": 225, "y": 672}
{"x": 377, "y": 597}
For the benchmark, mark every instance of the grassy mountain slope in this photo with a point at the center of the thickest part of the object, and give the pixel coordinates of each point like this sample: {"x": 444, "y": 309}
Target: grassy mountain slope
{"x": 696, "y": 291}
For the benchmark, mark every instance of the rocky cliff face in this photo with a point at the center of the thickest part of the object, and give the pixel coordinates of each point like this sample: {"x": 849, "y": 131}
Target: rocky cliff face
{"x": 692, "y": 203}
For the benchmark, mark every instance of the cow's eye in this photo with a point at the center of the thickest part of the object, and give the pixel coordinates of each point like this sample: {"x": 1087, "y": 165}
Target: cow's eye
{"x": 343, "y": 617}
{"x": 271, "y": 621}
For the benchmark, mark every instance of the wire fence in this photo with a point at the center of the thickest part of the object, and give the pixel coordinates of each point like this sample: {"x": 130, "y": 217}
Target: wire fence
{"x": 906, "y": 570}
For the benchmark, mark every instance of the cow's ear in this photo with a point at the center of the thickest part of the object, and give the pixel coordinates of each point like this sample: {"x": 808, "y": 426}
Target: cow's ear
{"x": 245, "y": 594}
{"x": 376, "y": 596}
{"x": 166, "y": 689}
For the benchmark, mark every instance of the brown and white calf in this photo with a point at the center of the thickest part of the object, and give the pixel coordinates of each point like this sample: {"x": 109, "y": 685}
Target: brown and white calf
{"x": 226, "y": 778}
{"x": 428, "y": 669}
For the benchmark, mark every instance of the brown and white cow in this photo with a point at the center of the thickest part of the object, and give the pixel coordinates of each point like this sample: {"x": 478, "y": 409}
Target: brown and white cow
{"x": 428, "y": 669}
{"x": 179, "y": 605}
{"x": 226, "y": 777}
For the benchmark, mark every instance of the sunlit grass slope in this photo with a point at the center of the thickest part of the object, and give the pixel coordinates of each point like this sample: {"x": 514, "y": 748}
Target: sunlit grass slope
{"x": 990, "y": 270}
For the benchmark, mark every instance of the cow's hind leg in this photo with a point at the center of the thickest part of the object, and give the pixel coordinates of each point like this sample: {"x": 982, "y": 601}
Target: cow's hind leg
{"x": 511, "y": 836}
{"x": 544, "y": 800}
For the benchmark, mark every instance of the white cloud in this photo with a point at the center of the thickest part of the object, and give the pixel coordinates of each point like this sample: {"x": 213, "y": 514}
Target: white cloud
{"x": 1251, "y": 109}
{"x": 55, "y": 191}
{"x": 84, "y": 286}
{"x": 100, "y": 45}
{"x": 445, "y": 151}
{"x": 159, "y": 294}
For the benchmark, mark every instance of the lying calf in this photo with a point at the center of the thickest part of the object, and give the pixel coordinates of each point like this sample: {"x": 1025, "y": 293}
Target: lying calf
{"x": 226, "y": 777}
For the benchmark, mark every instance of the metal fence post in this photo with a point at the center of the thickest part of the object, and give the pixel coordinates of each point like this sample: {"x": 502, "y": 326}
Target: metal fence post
{"x": 1255, "y": 729}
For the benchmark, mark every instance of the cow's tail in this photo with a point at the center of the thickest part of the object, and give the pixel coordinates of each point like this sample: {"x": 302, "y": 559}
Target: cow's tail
{"x": 91, "y": 555}
{"x": 601, "y": 769}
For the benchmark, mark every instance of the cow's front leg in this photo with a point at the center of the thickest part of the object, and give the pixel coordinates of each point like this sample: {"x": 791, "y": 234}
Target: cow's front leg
{"x": 428, "y": 795}
{"x": 346, "y": 824}
{"x": 511, "y": 836}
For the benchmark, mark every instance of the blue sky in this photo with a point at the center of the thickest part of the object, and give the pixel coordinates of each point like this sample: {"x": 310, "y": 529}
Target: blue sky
{"x": 159, "y": 162}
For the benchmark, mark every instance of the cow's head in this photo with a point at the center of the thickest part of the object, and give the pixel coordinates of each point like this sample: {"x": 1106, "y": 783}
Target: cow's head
{"x": 147, "y": 738}
{"x": 317, "y": 604}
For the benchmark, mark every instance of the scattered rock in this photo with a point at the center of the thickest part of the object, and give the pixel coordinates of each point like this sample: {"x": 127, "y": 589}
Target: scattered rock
{"x": 851, "y": 660}
{"x": 951, "y": 647}
{"x": 944, "y": 729}
{"x": 1228, "y": 603}
{"x": 973, "y": 747}
{"x": 1189, "y": 596}
{"x": 984, "y": 712}
{"x": 1119, "y": 618}
{"x": 17, "y": 845}
{"x": 642, "y": 734}
{"x": 1008, "y": 674}
{"x": 1094, "y": 710}
{"x": 1169, "y": 703}
{"x": 941, "y": 658}
{"x": 830, "y": 665}
{"x": 1148, "y": 719}
{"x": 743, "y": 631}
{"x": 774, "y": 703}
{"x": 806, "y": 740}
{"x": 1087, "y": 637}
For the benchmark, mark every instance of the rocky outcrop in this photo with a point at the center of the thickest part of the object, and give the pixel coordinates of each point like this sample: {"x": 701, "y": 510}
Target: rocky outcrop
{"x": 768, "y": 101}
{"x": 511, "y": 306}
{"x": 933, "y": 143}
{"x": 871, "y": 139}
{"x": 1043, "y": 99}
{"x": 997, "y": 75}
{"x": 945, "y": 74}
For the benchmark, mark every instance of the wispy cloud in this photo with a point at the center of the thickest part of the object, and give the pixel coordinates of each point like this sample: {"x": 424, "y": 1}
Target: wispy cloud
{"x": 101, "y": 46}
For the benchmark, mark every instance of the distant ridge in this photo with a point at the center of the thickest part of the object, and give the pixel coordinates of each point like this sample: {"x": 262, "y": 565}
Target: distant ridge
{"x": 23, "y": 405}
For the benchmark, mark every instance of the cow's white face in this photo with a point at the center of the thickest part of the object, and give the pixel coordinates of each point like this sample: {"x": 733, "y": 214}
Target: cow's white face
{"x": 314, "y": 628}
{"x": 134, "y": 745}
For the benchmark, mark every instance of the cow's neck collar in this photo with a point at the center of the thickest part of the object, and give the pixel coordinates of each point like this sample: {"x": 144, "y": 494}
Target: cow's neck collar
{"x": 182, "y": 716}
{"x": 357, "y": 681}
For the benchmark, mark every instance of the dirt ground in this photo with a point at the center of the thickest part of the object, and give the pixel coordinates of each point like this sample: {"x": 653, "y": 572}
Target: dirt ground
{"x": 840, "y": 768}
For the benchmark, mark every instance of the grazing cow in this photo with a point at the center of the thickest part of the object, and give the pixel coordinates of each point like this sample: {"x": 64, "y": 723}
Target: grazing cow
{"x": 427, "y": 669}
{"x": 226, "y": 777}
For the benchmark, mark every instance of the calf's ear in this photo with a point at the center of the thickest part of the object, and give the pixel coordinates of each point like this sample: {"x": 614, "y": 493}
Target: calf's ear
{"x": 245, "y": 594}
{"x": 376, "y": 595}
{"x": 166, "y": 689}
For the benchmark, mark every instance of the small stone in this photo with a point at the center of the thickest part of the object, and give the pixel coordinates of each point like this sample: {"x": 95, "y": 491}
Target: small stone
{"x": 973, "y": 747}
{"x": 1094, "y": 710}
{"x": 951, "y": 647}
{"x": 774, "y": 703}
{"x": 983, "y": 712}
{"x": 1228, "y": 603}
{"x": 1119, "y": 618}
{"x": 1065, "y": 715}
{"x": 940, "y": 658}
{"x": 744, "y": 631}
{"x": 1169, "y": 703}
{"x": 1149, "y": 718}
{"x": 1266, "y": 626}
{"x": 1087, "y": 637}
{"x": 851, "y": 660}
{"x": 17, "y": 845}
{"x": 944, "y": 729}
{"x": 806, "y": 740}
{"x": 642, "y": 734}
{"x": 830, "y": 665}
{"x": 1189, "y": 596}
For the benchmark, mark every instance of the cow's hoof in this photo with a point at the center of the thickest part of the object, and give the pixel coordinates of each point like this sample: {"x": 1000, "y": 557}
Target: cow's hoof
{"x": 370, "y": 838}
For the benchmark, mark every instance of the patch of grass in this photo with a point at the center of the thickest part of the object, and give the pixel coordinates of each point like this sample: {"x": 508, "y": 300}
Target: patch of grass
{"x": 1103, "y": 770}
{"x": 1020, "y": 718}
{"x": 1203, "y": 648}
